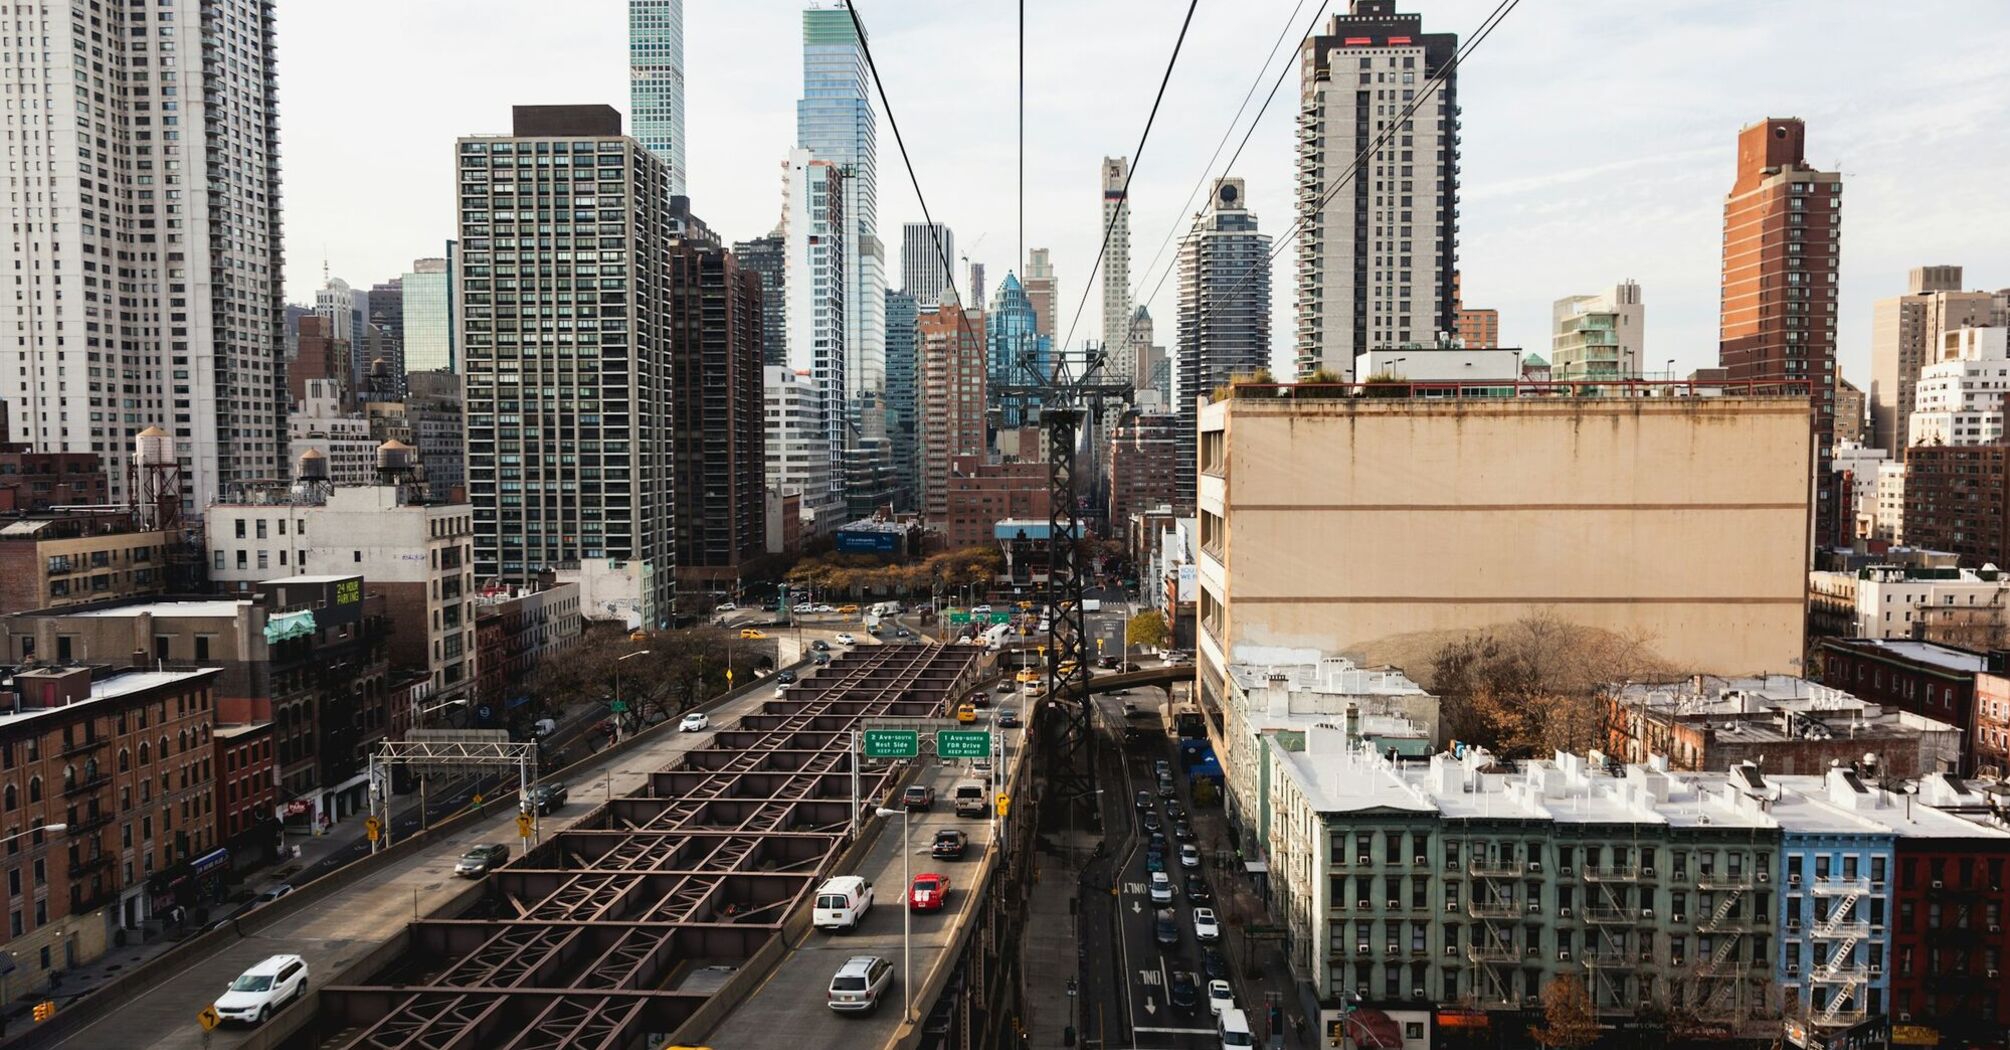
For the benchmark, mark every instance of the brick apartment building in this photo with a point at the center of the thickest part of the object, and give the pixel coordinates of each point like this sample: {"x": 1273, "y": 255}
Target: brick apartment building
{"x": 1143, "y": 465}
{"x": 38, "y": 481}
{"x": 1937, "y": 681}
{"x": 1957, "y": 499}
{"x": 981, "y": 494}
{"x": 68, "y": 558}
{"x": 123, "y": 758}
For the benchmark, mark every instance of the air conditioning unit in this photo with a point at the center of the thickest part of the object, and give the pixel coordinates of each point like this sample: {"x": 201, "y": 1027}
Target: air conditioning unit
{"x": 1793, "y": 970}
{"x": 1535, "y": 866}
{"x": 1562, "y": 956}
{"x": 1363, "y": 859}
{"x": 1936, "y": 884}
{"x": 1534, "y": 908}
{"x": 1564, "y": 912}
{"x": 1416, "y": 993}
{"x": 1361, "y": 949}
{"x": 1646, "y": 957}
{"x": 1677, "y": 961}
{"x": 1646, "y": 913}
{"x": 1451, "y": 905}
{"x": 1793, "y": 925}
{"x": 1876, "y": 930}
{"x": 1993, "y": 973}
{"x": 1680, "y": 918}
{"x": 1451, "y": 949}
{"x": 1393, "y": 905}
{"x": 1361, "y": 904}
{"x": 1765, "y": 876}
{"x": 1903, "y": 1016}
{"x": 1392, "y": 949}
{"x": 1533, "y": 951}
{"x": 1420, "y": 860}
{"x": 1567, "y": 870}
{"x": 1793, "y": 880}
{"x": 1876, "y": 970}
{"x": 1994, "y": 928}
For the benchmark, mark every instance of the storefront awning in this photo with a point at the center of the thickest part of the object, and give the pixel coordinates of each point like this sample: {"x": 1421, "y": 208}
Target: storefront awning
{"x": 1256, "y": 867}
{"x": 211, "y": 861}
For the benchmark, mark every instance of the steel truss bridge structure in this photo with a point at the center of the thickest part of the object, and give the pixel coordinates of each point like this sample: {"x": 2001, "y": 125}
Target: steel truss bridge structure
{"x": 614, "y": 933}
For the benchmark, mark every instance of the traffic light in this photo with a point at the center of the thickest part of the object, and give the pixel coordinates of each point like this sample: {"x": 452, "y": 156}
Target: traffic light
{"x": 44, "y": 1010}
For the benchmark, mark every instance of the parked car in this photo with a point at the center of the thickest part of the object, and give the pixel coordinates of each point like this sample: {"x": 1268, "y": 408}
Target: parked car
{"x": 1156, "y": 842}
{"x": 1165, "y": 929}
{"x": 1183, "y": 993}
{"x": 1219, "y": 997}
{"x": 859, "y": 983}
{"x": 846, "y": 638}
{"x": 1166, "y": 789}
{"x": 1204, "y": 926}
{"x": 928, "y": 892}
{"x": 694, "y": 722}
{"x": 259, "y": 992}
{"x": 1213, "y": 963}
{"x": 1189, "y": 856}
{"x": 1008, "y": 718}
{"x": 1145, "y": 800}
{"x": 1182, "y": 831}
{"x": 546, "y": 797}
{"x": 1196, "y": 889}
{"x": 949, "y": 844}
{"x": 918, "y": 798}
{"x": 1161, "y": 888}
{"x": 1175, "y": 810}
{"x": 480, "y": 860}
{"x": 1152, "y": 821}
{"x": 1155, "y": 860}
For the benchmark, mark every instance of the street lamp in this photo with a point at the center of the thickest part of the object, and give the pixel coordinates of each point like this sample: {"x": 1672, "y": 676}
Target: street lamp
{"x": 619, "y": 707}
{"x": 31, "y": 831}
{"x": 906, "y": 914}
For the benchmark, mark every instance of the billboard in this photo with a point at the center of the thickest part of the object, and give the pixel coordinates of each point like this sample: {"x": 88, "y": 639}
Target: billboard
{"x": 868, "y": 542}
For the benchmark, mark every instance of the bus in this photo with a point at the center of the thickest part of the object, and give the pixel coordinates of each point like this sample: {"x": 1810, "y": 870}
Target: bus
{"x": 1182, "y": 719}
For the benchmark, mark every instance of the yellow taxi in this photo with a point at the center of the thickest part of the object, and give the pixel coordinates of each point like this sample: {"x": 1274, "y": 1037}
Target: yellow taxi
{"x": 1067, "y": 668}
{"x": 966, "y": 713}
{"x": 848, "y": 610}
{"x": 1027, "y": 676}
{"x": 749, "y": 634}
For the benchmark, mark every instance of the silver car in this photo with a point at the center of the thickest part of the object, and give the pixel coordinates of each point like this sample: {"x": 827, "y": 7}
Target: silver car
{"x": 859, "y": 983}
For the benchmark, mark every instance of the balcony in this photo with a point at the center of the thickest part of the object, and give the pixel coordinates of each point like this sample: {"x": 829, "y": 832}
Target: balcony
{"x": 88, "y": 784}
{"x": 1837, "y": 931}
{"x": 1711, "y": 880}
{"x": 88, "y": 825}
{"x": 1836, "y": 887}
{"x": 1611, "y": 960}
{"x": 90, "y": 864}
{"x": 82, "y": 746}
{"x": 1492, "y": 953}
{"x": 1494, "y": 909}
{"x": 1610, "y": 916}
{"x": 1494, "y": 869}
{"x": 1614, "y": 873}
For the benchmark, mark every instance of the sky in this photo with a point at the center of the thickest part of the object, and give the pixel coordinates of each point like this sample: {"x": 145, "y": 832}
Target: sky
{"x": 1598, "y": 139}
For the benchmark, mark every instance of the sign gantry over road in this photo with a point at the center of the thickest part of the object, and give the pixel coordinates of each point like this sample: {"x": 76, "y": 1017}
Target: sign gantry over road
{"x": 974, "y": 743}
{"x": 892, "y": 743}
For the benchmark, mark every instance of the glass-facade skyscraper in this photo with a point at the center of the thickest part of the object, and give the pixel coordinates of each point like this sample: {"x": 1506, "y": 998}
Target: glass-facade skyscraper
{"x": 902, "y": 407}
{"x": 834, "y": 120}
{"x": 656, "y": 81}
{"x": 1011, "y": 335}
{"x": 428, "y": 312}
{"x": 1224, "y": 311}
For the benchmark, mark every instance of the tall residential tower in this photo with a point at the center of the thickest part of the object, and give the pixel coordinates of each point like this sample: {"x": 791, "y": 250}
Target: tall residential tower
{"x": 156, "y": 253}
{"x": 923, "y": 272}
{"x": 656, "y": 81}
{"x": 569, "y": 438}
{"x": 1378, "y": 251}
{"x": 834, "y": 120}
{"x": 1224, "y": 312}
{"x": 1116, "y": 230}
{"x": 1906, "y": 332}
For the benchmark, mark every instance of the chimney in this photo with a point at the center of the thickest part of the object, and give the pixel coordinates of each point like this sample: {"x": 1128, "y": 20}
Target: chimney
{"x": 1353, "y": 722}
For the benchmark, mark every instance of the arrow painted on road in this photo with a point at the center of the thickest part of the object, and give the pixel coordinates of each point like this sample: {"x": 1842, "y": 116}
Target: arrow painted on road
{"x": 1136, "y": 908}
{"x": 1151, "y": 1006}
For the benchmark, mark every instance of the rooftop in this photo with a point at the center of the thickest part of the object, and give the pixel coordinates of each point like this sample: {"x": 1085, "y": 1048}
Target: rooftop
{"x": 1944, "y": 657}
{"x": 178, "y": 607}
{"x": 1508, "y": 390}
{"x": 112, "y": 687}
{"x": 874, "y": 525}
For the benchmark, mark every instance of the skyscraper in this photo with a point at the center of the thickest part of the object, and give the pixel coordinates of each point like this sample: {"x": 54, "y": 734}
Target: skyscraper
{"x": 1150, "y": 357}
{"x": 656, "y": 81}
{"x": 1224, "y": 311}
{"x": 815, "y": 228}
{"x": 902, "y": 399}
{"x": 923, "y": 274}
{"x": 976, "y": 282}
{"x": 193, "y": 342}
{"x": 1116, "y": 230}
{"x": 768, "y": 256}
{"x": 593, "y": 478}
{"x": 428, "y": 310}
{"x": 952, "y": 399}
{"x": 1013, "y": 343}
{"x": 1040, "y": 290}
{"x": 1906, "y": 333}
{"x": 720, "y": 461}
{"x": 1376, "y": 257}
{"x": 1782, "y": 241}
{"x": 834, "y": 119}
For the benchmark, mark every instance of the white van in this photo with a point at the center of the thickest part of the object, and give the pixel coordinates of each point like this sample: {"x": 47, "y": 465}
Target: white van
{"x": 262, "y": 990}
{"x": 842, "y": 903}
{"x": 1233, "y": 1027}
{"x": 969, "y": 798}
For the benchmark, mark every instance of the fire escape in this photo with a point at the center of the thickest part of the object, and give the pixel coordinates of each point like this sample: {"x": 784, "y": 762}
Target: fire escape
{"x": 1609, "y": 940}
{"x": 1720, "y": 974}
{"x": 1841, "y": 932}
{"x": 1491, "y": 950}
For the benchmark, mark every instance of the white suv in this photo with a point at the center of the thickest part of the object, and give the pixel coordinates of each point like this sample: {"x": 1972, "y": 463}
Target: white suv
{"x": 858, "y": 984}
{"x": 260, "y": 991}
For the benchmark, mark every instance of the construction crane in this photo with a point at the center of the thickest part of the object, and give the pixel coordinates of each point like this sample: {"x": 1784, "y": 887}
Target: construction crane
{"x": 1063, "y": 401}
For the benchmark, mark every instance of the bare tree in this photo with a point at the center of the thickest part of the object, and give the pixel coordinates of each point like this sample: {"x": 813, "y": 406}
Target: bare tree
{"x": 1536, "y": 685}
{"x": 1568, "y": 1020}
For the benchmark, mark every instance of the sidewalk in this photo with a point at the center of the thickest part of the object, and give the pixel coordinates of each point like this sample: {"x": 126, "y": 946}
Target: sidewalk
{"x": 1053, "y": 948}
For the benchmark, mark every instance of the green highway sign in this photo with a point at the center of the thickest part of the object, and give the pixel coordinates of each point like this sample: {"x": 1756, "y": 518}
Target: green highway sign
{"x": 952, "y": 743}
{"x": 892, "y": 743}
{"x": 958, "y": 618}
